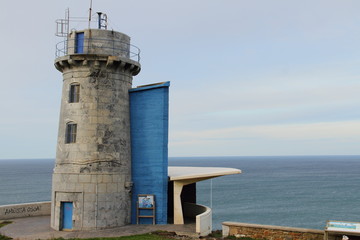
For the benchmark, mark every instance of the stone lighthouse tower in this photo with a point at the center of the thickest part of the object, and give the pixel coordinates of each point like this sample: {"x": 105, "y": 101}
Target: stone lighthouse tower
{"x": 92, "y": 185}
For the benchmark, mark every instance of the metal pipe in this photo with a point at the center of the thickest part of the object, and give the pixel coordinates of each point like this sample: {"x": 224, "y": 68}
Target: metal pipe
{"x": 211, "y": 193}
{"x": 90, "y": 13}
{"x": 99, "y": 20}
{"x": 96, "y": 203}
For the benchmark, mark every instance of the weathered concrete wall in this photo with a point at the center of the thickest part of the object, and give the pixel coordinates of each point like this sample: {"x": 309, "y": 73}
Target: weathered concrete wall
{"x": 102, "y": 117}
{"x": 102, "y": 42}
{"x": 24, "y": 210}
{"x": 94, "y": 173}
{"x": 99, "y": 199}
{"x": 270, "y": 232}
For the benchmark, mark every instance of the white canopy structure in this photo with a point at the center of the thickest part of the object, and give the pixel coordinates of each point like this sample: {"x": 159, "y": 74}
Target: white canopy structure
{"x": 182, "y": 176}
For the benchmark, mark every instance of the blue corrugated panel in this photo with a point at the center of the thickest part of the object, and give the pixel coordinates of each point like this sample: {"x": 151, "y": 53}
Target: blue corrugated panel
{"x": 149, "y": 117}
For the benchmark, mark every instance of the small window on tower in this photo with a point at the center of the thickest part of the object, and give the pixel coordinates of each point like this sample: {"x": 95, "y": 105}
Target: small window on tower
{"x": 70, "y": 135}
{"x": 74, "y": 94}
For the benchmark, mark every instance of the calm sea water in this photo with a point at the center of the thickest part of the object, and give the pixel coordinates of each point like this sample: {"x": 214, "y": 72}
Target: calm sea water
{"x": 301, "y": 191}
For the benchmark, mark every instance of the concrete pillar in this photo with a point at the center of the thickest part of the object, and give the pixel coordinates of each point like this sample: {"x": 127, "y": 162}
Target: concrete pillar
{"x": 178, "y": 212}
{"x": 178, "y": 187}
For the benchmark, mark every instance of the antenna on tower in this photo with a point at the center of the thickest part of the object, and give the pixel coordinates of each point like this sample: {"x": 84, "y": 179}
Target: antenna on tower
{"x": 90, "y": 13}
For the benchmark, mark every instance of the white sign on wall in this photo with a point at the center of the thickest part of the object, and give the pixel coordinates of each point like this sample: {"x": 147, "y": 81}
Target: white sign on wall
{"x": 337, "y": 226}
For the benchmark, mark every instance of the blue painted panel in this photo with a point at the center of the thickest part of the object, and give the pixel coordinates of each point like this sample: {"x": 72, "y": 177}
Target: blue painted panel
{"x": 149, "y": 116}
{"x": 67, "y": 212}
{"x": 79, "y": 43}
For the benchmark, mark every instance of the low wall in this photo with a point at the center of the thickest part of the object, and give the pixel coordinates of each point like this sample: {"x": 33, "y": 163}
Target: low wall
{"x": 203, "y": 216}
{"x": 270, "y": 232}
{"x": 24, "y": 210}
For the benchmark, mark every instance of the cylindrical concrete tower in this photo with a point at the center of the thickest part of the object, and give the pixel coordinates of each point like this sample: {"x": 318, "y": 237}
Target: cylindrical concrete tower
{"x": 92, "y": 176}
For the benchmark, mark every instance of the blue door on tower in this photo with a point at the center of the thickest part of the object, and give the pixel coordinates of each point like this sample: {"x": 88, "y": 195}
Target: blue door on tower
{"x": 79, "y": 42}
{"x": 67, "y": 212}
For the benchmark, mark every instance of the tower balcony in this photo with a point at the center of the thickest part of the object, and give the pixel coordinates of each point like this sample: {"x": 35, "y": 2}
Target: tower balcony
{"x": 99, "y": 42}
{"x": 98, "y": 47}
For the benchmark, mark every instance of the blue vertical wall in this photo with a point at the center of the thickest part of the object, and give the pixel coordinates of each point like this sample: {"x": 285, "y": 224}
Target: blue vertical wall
{"x": 149, "y": 117}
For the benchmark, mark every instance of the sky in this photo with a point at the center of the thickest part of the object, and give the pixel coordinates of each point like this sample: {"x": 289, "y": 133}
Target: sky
{"x": 248, "y": 77}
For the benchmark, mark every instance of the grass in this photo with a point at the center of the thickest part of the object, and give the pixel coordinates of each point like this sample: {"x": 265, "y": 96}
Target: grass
{"x": 4, "y": 223}
{"x": 218, "y": 235}
{"x": 2, "y": 237}
{"x": 150, "y": 236}
{"x": 158, "y": 235}
{"x": 147, "y": 236}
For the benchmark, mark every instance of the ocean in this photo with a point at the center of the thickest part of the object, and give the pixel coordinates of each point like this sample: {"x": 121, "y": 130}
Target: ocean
{"x": 294, "y": 191}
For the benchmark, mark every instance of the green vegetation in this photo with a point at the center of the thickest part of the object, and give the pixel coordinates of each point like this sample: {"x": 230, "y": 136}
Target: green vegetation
{"x": 4, "y": 223}
{"x": 158, "y": 235}
{"x": 163, "y": 235}
{"x": 148, "y": 236}
{"x": 246, "y": 238}
{"x": 218, "y": 235}
{"x": 2, "y": 237}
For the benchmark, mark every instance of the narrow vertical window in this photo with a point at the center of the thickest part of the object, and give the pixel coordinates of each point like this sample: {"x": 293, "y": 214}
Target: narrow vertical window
{"x": 74, "y": 93}
{"x": 70, "y": 136}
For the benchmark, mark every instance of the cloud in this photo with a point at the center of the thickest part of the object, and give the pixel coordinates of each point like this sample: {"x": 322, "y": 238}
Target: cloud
{"x": 234, "y": 66}
{"x": 321, "y": 130}
{"x": 291, "y": 139}
{"x": 309, "y": 97}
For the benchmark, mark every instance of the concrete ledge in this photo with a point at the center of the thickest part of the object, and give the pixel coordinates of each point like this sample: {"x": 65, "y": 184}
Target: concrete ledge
{"x": 95, "y": 59}
{"x": 266, "y": 231}
{"x": 25, "y": 210}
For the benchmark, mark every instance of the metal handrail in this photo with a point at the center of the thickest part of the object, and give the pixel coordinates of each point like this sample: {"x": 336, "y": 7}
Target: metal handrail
{"x": 110, "y": 48}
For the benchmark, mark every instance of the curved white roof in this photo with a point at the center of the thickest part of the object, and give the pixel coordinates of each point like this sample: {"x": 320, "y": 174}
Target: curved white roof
{"x": 184, "y": 173}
